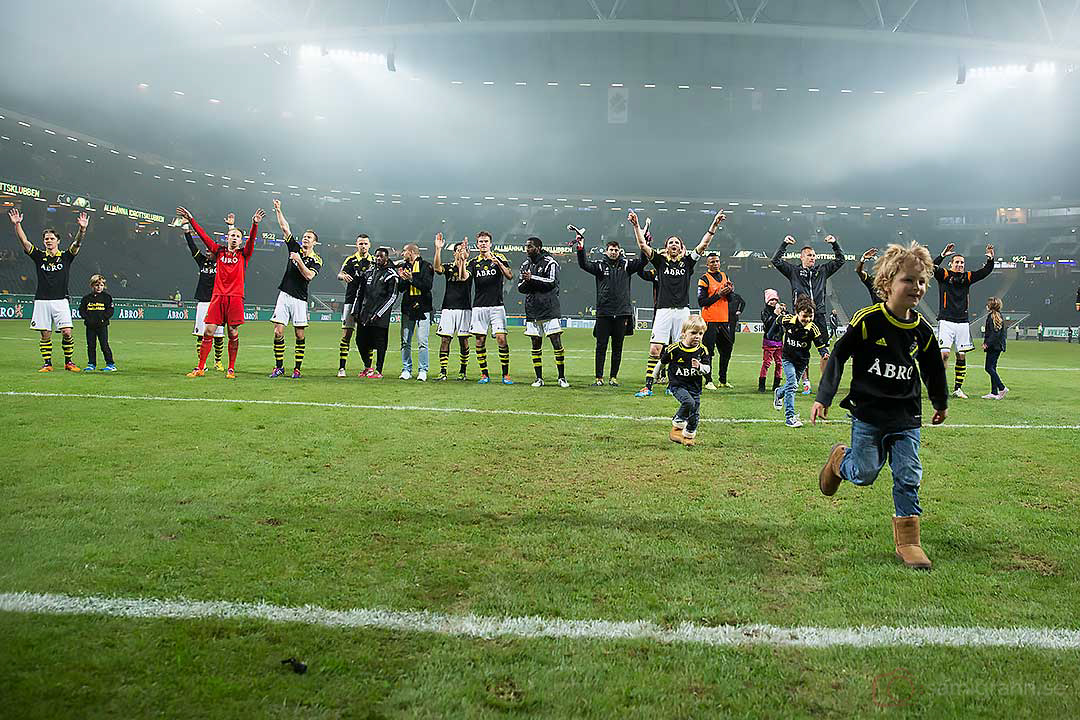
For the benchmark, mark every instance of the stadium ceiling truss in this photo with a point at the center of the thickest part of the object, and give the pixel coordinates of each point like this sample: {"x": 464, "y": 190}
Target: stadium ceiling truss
{"x": 1041, "y": 28}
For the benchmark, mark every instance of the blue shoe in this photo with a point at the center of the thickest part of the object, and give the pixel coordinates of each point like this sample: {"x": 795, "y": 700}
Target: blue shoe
{"x": 90, "y": 368}
{"x": 278, "y": 372}
{"x": 507, "y": 380}
{"x": 484, "y": 380}
{"x": 667, "y": 391}
{"x": 109, "y": 368}
{"x": 643, "y": 392}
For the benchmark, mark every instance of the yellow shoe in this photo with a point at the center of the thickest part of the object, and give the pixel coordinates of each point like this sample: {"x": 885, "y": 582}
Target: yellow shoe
{"x": 230, "y": 374}
{"x": 197, "y": 372}
{"x": 219, "y": 367}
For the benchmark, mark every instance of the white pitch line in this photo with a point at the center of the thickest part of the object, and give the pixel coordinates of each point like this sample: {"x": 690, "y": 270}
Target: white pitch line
{"x": 478, "y": 626}
{"x": 483, "y": 411}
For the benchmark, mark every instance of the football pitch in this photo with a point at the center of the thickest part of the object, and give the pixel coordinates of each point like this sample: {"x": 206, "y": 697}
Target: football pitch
{"x": 456, "y": 550}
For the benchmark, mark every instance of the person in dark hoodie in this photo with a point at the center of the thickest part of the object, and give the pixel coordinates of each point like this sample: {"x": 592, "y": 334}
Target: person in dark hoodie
{"x": 994, "y": 344}
{"x": 539, "y": 282}
{"x": 613, "y": 310}
{"x": 95, "y": 310}
{"x": 415, "y": 278}
{"x": 374, "y": 300}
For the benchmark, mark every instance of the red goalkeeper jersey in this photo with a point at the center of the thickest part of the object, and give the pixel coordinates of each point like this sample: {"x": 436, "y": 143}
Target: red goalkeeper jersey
{"x": 231, "y": 265}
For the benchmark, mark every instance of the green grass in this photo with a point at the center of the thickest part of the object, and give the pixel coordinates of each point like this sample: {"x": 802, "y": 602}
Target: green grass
{"x": 513, "y": 515}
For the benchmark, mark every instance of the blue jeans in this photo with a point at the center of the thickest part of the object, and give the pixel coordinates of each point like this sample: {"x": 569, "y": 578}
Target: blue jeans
{"x": 420, "y": 328}
{"x": 792, "y": 373}
{"x": 864, "y": 459}
{"x": 689, "y": 404}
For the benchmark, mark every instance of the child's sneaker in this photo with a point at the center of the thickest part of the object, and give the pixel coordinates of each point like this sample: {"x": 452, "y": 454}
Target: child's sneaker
{"x": 341, "y": 372}
{"x": 539, "y": 382}
{"x": 806, "y": 387}
{"x": 778, "y": 403}
{"x": 90, "y": 368}
{"x": 72, "y": 367}
{"x": 1003, "y": 393}
{"x": 47, "y": 367}
{"x": 643, "y": 392}
{"x": 793, "y": 422}
{"x": 197, "y": 372}
{"x": 278, "y": 372}
{"x": 109, "y": 368}
{"x": 563, "y": 383}
{"x": 421, "y": 376}
{"x": 667, "y": 391}
{"x": 296, "y": 375}
{"x": 991, "y": 396}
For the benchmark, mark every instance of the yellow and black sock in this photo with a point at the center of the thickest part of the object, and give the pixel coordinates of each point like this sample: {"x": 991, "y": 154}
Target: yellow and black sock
{"x": 538, "y": 362}
{"x": 279, "y": 350}
{"x": 67, "y": 342}
{"x": 560, "y": 361}
{"x": 444, "y": 360}
{"x": 343, "y": 353}
{"x": 481, "y": 359}
{"x": 650, "y": 365}
{"x": 45, "y": 346}
{"x": 298, "y": 354}
{"x": 219, "y": 343}
{"x": 961, "y": 371}
{"x": 504, "y": 358}
{"x": 463, "y": 355}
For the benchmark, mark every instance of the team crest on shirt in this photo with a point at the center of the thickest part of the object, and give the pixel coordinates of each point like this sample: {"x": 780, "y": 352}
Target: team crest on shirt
{"x": 914, "y": 349}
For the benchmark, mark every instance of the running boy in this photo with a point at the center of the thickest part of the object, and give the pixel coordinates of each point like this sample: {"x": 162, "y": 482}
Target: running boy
{"x": 888, "y": 344}
{"x": 796, "y": 332}
{"x": 688, "y": 362}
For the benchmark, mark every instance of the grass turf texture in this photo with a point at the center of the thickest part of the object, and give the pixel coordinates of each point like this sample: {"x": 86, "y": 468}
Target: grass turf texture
{"x": 513, "y": 515}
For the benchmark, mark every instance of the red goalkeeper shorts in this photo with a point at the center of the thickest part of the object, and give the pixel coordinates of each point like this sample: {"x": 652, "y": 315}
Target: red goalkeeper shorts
{"x": 225, "y": 310}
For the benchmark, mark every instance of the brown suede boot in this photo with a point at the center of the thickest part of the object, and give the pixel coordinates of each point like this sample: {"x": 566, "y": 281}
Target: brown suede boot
{"x": 688, "y": 440}
{"x": 906, "y": 536}
{"x": 829, "y": 478}
{"x": 676, "y": 435}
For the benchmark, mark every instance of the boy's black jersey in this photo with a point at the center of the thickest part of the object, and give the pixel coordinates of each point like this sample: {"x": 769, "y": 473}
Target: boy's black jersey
{"x": 52, "y": 273}
{"x": 797, "y": 339}
{"x": 674, "y": 278}
{"x": 487, "y": 281}
{"x": 681, "y": 372}
{"x": 954, "y": 288}
{"x": 292, "y": 282}
{"x": 96, "y": 308}
{"x": 354, "y": 266}
{"x": 886, "y": 355}
{"x": 458, "y": 295}
{"x": 207, "y": 270}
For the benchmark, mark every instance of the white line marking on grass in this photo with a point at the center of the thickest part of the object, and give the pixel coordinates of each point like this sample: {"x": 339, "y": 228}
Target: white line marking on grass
{"x": 538, "y": 627}
{"x": 479, "y": 411}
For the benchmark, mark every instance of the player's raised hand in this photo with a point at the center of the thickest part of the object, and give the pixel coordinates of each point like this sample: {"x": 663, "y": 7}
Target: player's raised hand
{"x": 258, "y": 216}
{"x": 277, "y": 205}
{"x": 83, "y": 220}
{"x": 183, "y": 212}
{"x": 439, "y": 242}
{"x": 830, "y": 239}
{"x": 632, "y": 218}
{"x": 949, "y": 249}
{"x": 230, "y": 219}
{"x": 989, "y": 251}
{"x": 717, "y": 219}
{"x": 818, "y": 411}
{"x": 789, "y": 240}
{"x": 15, "y": 216}
{"x": 939, "y": 417}
{"x": 869, "y": 254}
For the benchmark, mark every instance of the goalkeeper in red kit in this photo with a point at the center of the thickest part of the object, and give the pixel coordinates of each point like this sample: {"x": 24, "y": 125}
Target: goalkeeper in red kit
{"x": 227, "y": 303}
